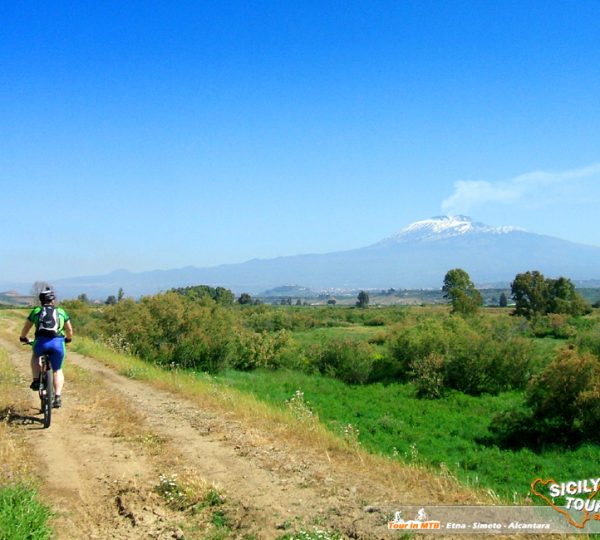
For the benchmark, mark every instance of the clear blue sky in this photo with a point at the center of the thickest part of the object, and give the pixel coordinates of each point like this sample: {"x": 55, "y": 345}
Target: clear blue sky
{"x": 146, "y": 135}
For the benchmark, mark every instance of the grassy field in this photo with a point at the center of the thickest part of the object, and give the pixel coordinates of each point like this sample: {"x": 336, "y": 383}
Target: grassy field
{"x": 442, "y": 434}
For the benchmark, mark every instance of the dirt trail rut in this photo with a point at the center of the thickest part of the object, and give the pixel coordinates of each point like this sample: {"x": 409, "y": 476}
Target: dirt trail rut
{"x": 102, "y": 484}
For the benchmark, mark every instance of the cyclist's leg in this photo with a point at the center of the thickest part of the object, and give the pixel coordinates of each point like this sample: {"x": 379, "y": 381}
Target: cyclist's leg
{"x": 38, "y": 351}
{"x": 59, "y": 381}
{"x": 35, "y": 366}
{"x": 57, "y": 356}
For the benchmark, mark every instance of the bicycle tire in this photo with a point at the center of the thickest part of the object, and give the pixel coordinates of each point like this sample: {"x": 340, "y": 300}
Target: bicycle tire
{"x": 47, "y": 398}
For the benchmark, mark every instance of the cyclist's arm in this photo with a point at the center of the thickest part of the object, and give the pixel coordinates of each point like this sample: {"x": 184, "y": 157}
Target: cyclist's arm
{"x": 26, "y": 327}
{"x": 68, "y": 330}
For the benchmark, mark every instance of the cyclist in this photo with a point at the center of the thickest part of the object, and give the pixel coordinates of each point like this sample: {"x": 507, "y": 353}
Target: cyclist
{"x": 52, "y": 330}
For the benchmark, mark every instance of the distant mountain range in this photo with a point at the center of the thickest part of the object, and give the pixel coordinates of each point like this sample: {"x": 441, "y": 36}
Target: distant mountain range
{"x": 417, "y": 257}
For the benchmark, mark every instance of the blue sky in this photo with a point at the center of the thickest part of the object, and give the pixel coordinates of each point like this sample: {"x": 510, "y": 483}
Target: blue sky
{"x": 145, "y": 135}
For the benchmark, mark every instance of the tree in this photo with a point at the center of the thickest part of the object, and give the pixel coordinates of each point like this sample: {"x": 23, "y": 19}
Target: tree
{"x": 224, "y": 296}
{"x": 503, "y": 302}
{"x": 111, "y": 300}
{"x": 83, "y": 298}
{"x": 120, "y": 294}
{"x": 535, "y": 295}
{"x": 332, "y": 302}
{"x": 245, "y": 299}
{"x": 363, "y": 299}
{"x": 562, "y": 298}
{"x": 38, "y": 287}
{"x": 461, "y": 292}
{"x": 204, "y": 293}
{"x": 529, "y": 291}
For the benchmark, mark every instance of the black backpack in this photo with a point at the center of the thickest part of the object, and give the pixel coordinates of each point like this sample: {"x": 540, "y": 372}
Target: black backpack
{"x": 48, "y": 322}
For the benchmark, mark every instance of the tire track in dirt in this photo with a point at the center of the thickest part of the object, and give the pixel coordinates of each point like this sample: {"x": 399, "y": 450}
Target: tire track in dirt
{"x": 82, "y": 466}
{"x": 66, "y": 458}
{"x": 86, "y": 470}
{"x": 273, "y": 495}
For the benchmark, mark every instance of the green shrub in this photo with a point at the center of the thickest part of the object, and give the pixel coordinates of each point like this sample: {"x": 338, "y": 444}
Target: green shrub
{"x": 379, "y": 338}
{"x": 556, "y": 325}
{"x": 431, "y": 336}
{"x": 348, "y": 360}
{"x": 470, "y": 357}
{"x": 429, "y": 376}
{"x": 385, "y": 369}
{"x": 589, "y": 341}
{"x": 562, "y": 405}
{"x": 375, "y": 321}
{"x": 259, "y": 349}
{"x": 588, "y": 404}
{"x": 173, "y": 329}
{"x": 516, "y": 429}
{"x": 553, "y": 394}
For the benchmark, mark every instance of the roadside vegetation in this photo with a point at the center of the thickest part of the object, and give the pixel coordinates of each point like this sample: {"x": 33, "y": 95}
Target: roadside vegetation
{"x": 22, "y": 513}
{"x": 494, "y": 397}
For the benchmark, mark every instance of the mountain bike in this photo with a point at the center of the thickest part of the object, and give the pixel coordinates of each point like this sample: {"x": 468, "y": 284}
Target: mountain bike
{"x": 46, "y": 389}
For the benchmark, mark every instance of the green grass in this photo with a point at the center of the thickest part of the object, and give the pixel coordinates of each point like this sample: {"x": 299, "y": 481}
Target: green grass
{"x": 442, "y": 434}
{"x": 22, "y": 516}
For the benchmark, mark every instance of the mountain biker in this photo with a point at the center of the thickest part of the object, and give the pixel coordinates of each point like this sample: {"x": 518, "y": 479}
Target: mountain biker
{"x": 52, "y": 330}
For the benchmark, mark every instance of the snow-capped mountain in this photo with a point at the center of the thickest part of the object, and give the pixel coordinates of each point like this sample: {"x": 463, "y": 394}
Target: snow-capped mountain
{"x": 417, "y": 257}
{"x": 442, "y": 227}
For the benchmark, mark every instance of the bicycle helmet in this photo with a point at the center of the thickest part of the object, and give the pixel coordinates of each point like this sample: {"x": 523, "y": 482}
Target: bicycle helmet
{"x": 47, "y": 296}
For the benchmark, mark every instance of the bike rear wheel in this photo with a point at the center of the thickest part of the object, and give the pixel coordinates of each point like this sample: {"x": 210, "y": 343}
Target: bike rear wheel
{"x": 47, "y": 396}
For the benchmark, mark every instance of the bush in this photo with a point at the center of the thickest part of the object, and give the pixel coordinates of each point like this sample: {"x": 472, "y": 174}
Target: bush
{"x": 348, "y": 360}
{"x": 589, "y": 341}
{"x": 259, "y": 349}
{"x": 553, "y": 394}
{"x": 562, "y": 405}
{"x": 431, "y": 336}
{"x": 516, "y": 429}
{"x": 588, "y": 404}
{"x": 85, "y": 318}
{"x": 470, "y": 358}
{"x": 375, "y": 321}
{"x": 172, "y": 329}
{"x": 429, "y": 376}
{"x": 554, "y": 325}
{"x": 384, "y": 369}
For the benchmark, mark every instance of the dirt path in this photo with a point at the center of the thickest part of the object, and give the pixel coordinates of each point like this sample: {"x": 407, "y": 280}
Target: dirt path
{"x": 102, "y": 457}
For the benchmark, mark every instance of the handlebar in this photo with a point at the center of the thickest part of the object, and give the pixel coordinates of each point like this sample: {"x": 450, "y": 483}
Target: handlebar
{"x": 30, "y": 342}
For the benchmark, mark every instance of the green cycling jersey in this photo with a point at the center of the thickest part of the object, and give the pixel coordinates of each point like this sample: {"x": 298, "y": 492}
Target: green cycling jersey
{"x": 34, "y": 317}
